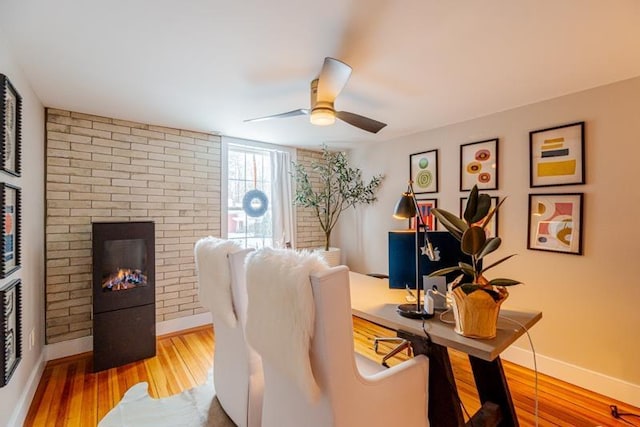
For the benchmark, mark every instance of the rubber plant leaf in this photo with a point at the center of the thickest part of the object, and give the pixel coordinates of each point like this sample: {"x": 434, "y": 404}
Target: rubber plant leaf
{"x": 473, "y": 240}
{"x": 466, "y": 268}
{"x": 472, "y": 205}
{"x": 444, "y": 271}
{"x": 483, "y": 206}
{"x": 504, "y": 282}
{"x": 467, "y": 288}
{"x": 491, "y": 245}
{"x": 497, "y": 262}
{"x": 452, "y": 223}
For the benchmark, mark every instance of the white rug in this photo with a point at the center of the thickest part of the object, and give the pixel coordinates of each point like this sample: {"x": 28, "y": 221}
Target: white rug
{"x": 196, "y": 407}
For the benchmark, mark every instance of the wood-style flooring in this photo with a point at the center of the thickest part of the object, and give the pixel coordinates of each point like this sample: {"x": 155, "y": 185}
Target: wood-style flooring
{"x": 70, "y": 394}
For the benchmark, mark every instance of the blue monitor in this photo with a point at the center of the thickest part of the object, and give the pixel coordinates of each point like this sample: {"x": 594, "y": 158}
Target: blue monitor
{"x": 402, "y": 258}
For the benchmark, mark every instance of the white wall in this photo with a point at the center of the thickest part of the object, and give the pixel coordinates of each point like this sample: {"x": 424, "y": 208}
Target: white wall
{"x": 590, "y": 303}
{"x": 16, "y": 396}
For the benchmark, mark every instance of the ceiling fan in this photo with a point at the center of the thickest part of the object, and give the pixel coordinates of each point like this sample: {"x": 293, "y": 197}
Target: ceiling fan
{"x": 324, "y": 90}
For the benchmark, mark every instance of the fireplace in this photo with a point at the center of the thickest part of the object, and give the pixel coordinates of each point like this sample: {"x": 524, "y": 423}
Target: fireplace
{"x": 123, "y": 293}
{"x": 124, "y": 264}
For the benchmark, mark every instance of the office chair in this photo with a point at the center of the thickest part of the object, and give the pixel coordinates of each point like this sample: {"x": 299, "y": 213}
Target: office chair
{"x": 401, "y": 345}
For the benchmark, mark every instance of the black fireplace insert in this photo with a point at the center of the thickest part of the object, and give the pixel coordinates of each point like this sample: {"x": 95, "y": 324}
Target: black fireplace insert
{"x": 124, "y": 328}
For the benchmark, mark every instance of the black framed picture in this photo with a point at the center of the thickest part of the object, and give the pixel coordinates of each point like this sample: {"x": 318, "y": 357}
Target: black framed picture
{"x": 555, "y": 223}
{"x": 11, "y": 325}
{"x": 10, "y": 224}
{"x": 557, "y": 156}
{"x": 423, "y": 171}
{"x": 11, "y": 127}
{"x": 479, "y": 165}
{"x": 492, "y": 227}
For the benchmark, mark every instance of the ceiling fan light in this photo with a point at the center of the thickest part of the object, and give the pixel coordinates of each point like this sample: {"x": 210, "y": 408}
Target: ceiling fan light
{"x": 322, "y": 117}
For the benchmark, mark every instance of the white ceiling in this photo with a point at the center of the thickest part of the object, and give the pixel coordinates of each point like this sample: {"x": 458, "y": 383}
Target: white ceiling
{"x": 417, "y": 64}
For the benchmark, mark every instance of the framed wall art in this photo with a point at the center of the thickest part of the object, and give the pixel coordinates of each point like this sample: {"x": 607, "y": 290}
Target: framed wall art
{"x": 11, "y": 330}
{"x": 492, "y": 227}
{"x": 10, "y": 127}
{"x": 479, "y": 165}
{"x": 557, "y": 156}
{"x": 426, "y": 206}
{"x": 424, "y": 171}
{"x": 10, "y": 225}
{"x": 555, "y": 223}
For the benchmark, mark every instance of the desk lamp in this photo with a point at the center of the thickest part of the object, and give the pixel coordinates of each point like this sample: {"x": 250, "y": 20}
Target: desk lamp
{"x": 407, "y": 207}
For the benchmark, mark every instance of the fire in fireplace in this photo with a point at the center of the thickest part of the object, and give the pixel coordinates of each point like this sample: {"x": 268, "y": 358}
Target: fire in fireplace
{"x": 124, "y": 264}
{"x": 124, "y": 279}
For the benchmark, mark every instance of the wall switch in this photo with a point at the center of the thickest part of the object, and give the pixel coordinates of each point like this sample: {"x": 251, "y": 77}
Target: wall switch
{"x": 32, "y": 338}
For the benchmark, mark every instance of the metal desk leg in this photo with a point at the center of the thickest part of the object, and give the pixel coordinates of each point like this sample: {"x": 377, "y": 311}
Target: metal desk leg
{"x": 492, "y": 387}
{"x": 444, "y": 408}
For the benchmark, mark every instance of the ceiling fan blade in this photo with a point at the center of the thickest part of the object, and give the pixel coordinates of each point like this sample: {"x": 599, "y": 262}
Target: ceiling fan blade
{"x": 332, "y": 79}
{"x": 361, "y": 122}
{"x": 293, "y": 113}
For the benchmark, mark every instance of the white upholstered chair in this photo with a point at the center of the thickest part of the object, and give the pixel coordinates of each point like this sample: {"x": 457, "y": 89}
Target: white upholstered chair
{"x": 237, "y": 369}
{"x": 322, "y": 383}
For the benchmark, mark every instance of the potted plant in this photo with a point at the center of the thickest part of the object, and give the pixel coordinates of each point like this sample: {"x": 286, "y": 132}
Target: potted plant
{"x": 336, "y": 188}
{"x": 476, "y": 305}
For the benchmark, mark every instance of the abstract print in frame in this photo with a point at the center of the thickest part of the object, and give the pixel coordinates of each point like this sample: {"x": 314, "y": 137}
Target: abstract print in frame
{"x": 11, "y": 334}
{"x": 557, "y": 156}
{"x": 424, "y": 171}
{"x": 10, "y": 127}
{"x": 555, "y": 222}
{"x": 479, "y": 165}
{"x": 426, "y": 207}
{"x": 10, "y": 225}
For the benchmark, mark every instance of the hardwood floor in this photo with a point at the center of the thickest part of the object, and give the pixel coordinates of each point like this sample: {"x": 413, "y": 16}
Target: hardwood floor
{"x": 69, "y": 394}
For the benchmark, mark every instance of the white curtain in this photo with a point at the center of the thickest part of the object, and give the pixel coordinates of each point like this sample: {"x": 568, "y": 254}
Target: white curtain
{"x": 282, "y": 202}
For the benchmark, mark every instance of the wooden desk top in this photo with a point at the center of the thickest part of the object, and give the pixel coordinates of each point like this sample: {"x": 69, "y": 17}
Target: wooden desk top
{"x": 371, "y": 299}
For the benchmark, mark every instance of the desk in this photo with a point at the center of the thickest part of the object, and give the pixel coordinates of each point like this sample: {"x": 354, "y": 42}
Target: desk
{"x": 372, "y": 300}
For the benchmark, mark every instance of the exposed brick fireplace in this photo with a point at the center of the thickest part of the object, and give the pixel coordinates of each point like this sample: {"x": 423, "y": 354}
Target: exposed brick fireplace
{"x": 123, "y": 293}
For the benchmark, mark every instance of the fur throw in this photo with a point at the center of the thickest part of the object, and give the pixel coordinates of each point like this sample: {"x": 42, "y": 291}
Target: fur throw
{"x": 214, "y": 277}
{"x": 281, "y": 312}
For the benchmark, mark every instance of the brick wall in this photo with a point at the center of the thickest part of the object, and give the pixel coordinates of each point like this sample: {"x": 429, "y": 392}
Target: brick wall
{"x": 102, "y": 169}
{"x": 308, "y": 231}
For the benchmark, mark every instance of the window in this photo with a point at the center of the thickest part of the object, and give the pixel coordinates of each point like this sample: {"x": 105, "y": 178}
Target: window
{"x": 254, "y": 200}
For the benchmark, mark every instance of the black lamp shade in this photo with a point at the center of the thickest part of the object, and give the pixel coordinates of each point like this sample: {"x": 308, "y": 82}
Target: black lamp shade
{"x": 405, "y": 208}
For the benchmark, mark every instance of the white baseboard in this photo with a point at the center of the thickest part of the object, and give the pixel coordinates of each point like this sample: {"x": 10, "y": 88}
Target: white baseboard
{"x": 19, "y": 414}
{"x": 615, "y": 388}
{"x": 68, "y": 348}
{"x": 182, "y": 323}
{"x": 85, "y": 344}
